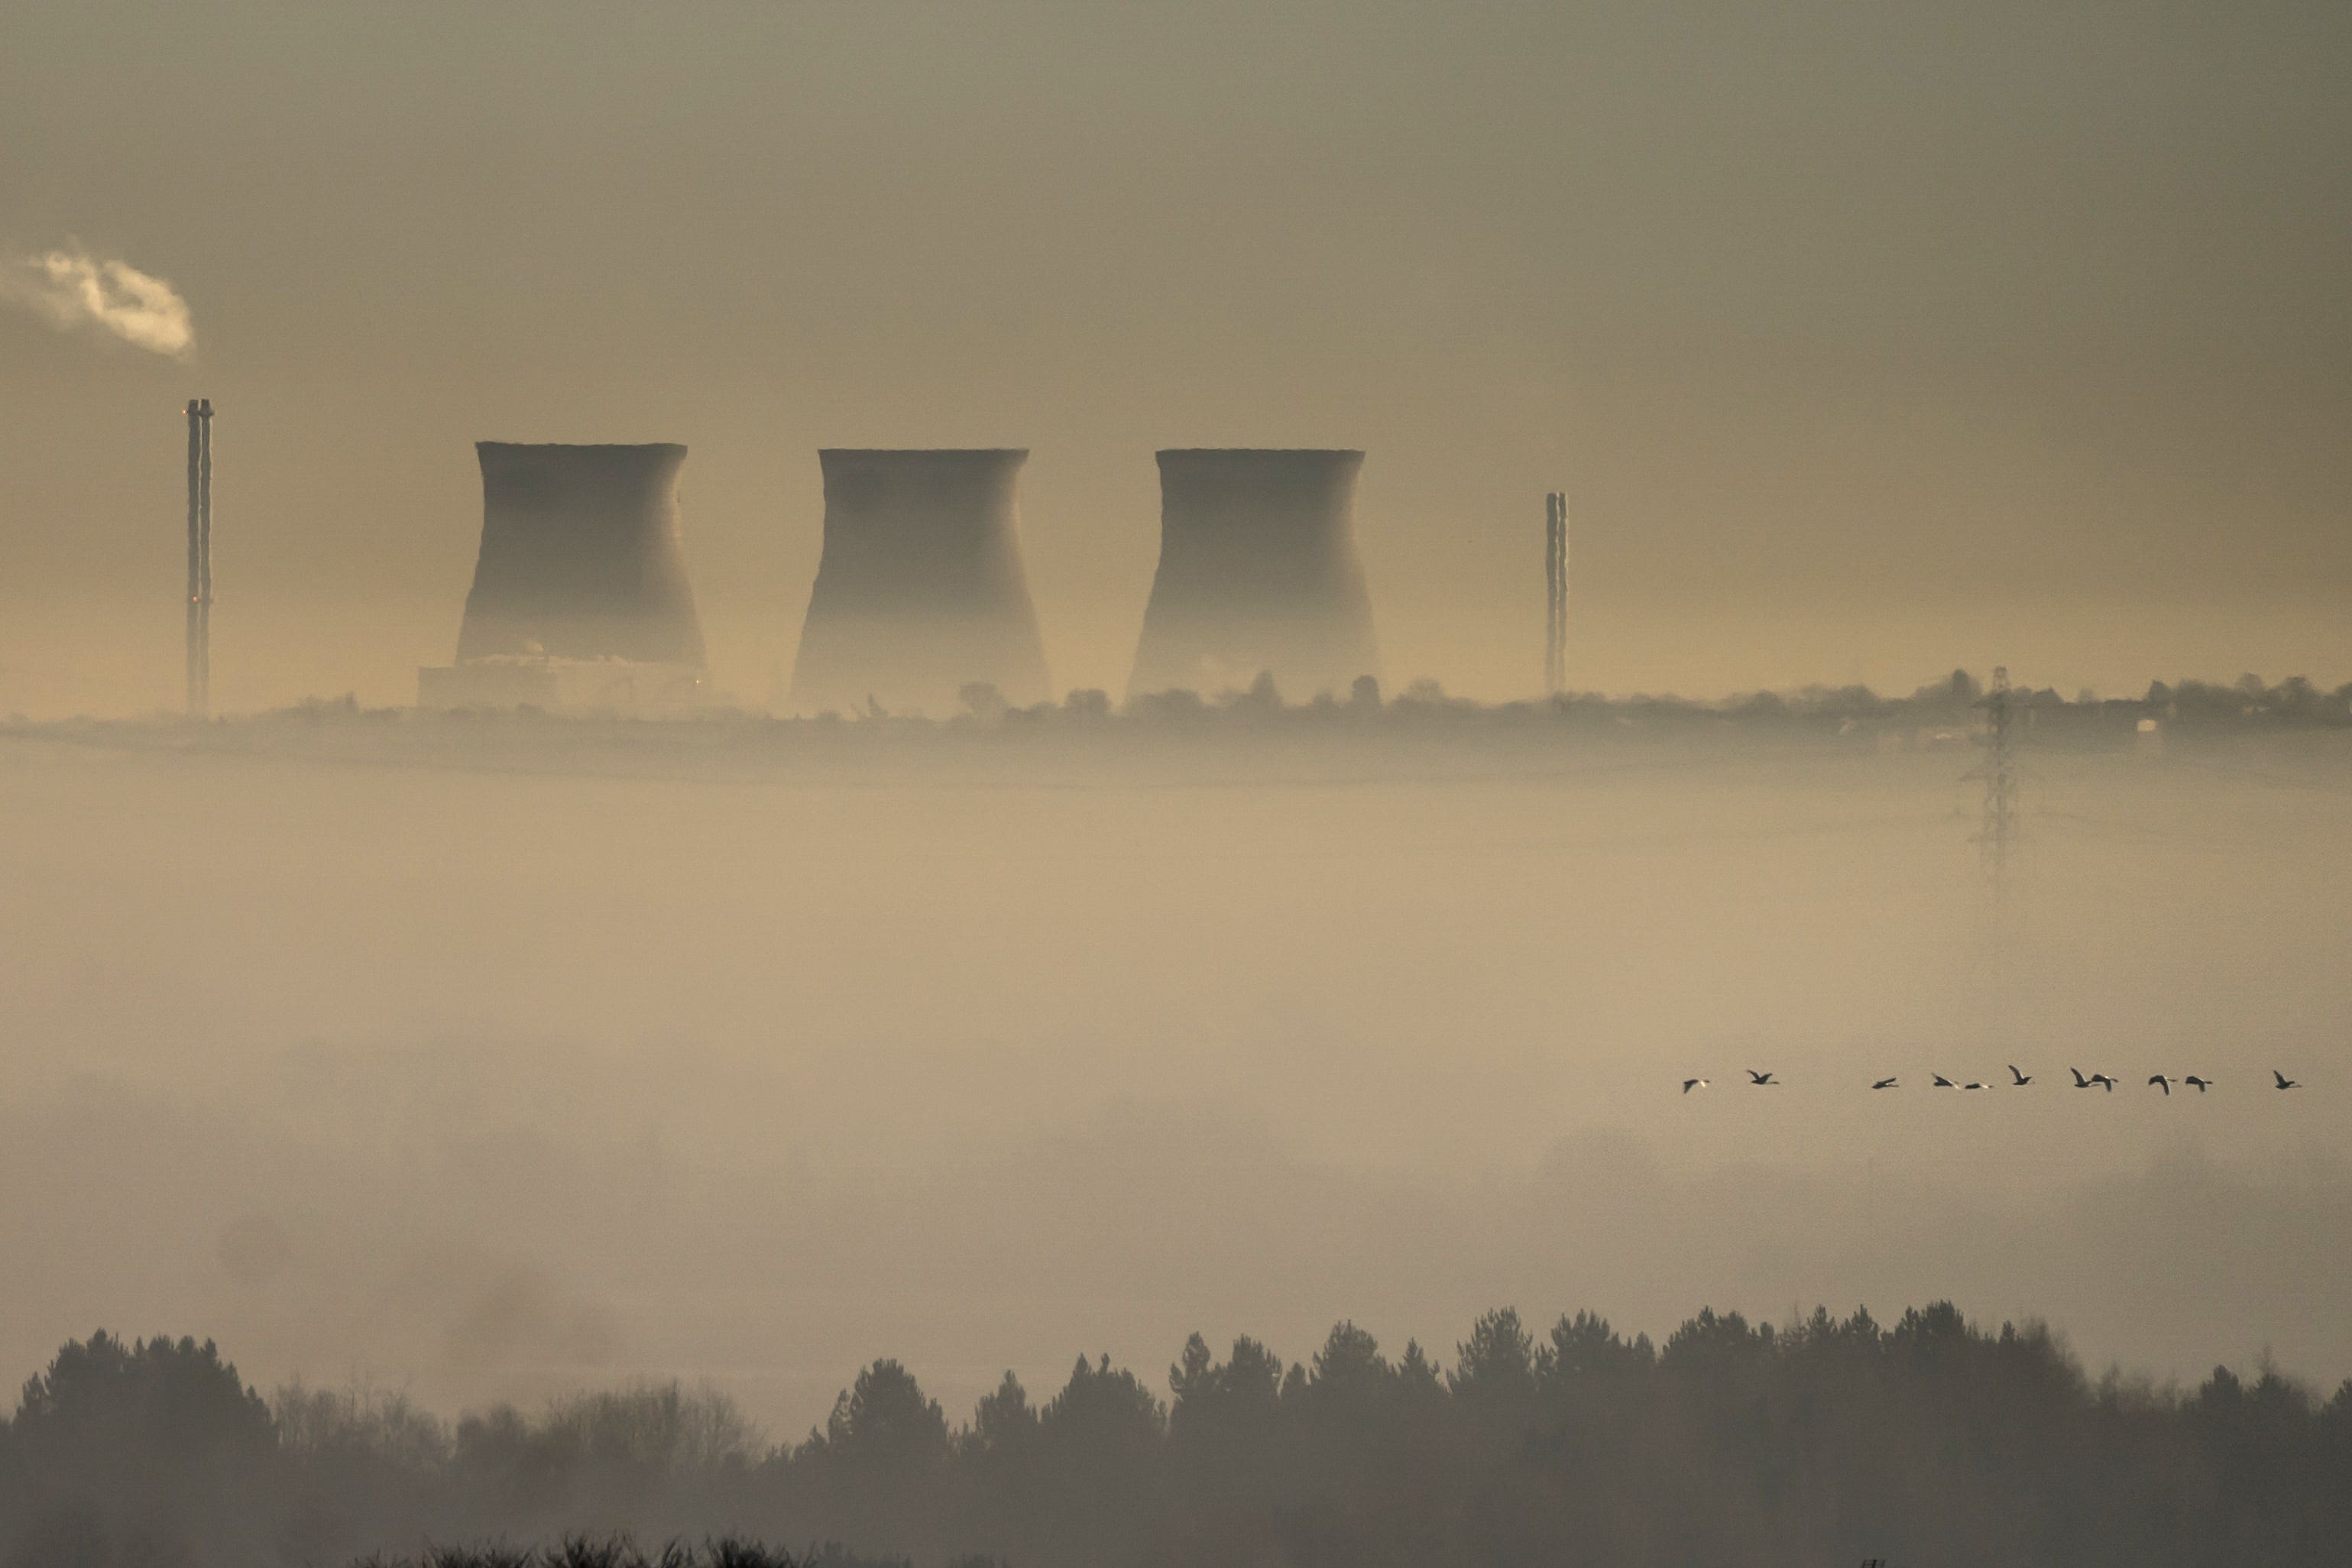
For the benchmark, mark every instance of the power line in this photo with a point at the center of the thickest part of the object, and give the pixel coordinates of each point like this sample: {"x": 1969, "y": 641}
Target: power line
{"x": 1997, "y": 831}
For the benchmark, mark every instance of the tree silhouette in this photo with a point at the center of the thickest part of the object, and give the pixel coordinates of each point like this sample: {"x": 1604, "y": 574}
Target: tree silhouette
{"x": 1498, "y": 1362}
{"x": 884, "y": 1422}
{"x": 143, "y": 1449}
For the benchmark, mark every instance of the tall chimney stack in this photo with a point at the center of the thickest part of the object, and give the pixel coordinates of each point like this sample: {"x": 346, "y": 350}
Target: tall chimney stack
{"x": 1258, "y": 575}
{"x": 200, "y": 557}
{"x": 1555, "y": 594}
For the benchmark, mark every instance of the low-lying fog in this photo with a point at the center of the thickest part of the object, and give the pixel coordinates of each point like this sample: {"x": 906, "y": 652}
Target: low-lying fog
{"x": 492, "y": 1083}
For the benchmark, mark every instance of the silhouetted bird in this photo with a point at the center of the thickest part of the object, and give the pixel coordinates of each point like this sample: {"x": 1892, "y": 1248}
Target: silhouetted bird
{"x": 2080, "y": 1081}
{"x": 2104, "y": 1081}
{"x": 2023, "y": 1077}
{"x": 1971, "y": 1085}
{"x": 1943, "y": 1082}
{"x": 2202, "y": 1083}
{"x": 2284, "y": 1081}
{"x": 1761, "y": 1080}
{"x": 2163, "y": 1083}
{"x": 1692, "y": 1083}
{"x": 1887, "y": 1083}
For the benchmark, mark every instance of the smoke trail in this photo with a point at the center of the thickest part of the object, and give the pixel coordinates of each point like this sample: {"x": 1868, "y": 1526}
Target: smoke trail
{"x": 74, "y": 288}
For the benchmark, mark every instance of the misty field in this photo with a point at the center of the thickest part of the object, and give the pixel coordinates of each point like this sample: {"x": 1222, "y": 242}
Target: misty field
{"x": 489, "y": 1066}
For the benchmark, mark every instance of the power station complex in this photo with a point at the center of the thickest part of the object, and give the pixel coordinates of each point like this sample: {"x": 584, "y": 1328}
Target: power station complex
{"x": 581, "y": 599}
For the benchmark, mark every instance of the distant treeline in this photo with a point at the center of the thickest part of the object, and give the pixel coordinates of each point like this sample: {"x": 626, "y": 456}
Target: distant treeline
{"x": 1958, "y": 698}
{"x": 1942, "y": 710}
{"x": 1827, "y": 1441}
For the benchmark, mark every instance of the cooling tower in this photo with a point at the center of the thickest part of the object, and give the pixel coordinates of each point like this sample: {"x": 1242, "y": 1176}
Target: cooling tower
{"x": 1257, "y": 574}
{"x": 919, "y": 591}
{"x": 580, "y": 557}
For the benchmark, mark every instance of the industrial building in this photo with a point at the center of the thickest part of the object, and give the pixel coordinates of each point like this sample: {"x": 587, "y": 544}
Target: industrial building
{"x": 1258, "y": 575}
{"x": 919, "y": 591}
{"x": 579, "y": 597}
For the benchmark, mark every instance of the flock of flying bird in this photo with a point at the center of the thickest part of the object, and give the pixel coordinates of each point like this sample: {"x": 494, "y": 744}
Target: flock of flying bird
{"x": 2016, "y": 1081}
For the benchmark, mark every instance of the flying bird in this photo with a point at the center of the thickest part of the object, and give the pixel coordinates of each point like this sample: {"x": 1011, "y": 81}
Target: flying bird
{"x": 2202, "y": 1083}
{"x": 1887, "y": 1083}
{"x": 2104, "y": 1081}
{"x": 2023, "y": 1077}
{"x": 2284, "y": 1081}
{"x": 1943, "y": 1082}
{"x": 2163, "y": 1083}
{"x": 1692, "y": 1083}
{"x": 2080, "y": 1081}
{"x": 1761, "y": 1080}
{"x": 1971, "y": 1085}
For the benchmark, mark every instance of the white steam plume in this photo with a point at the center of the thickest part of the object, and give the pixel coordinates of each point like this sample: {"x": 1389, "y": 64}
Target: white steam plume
{"x": 74, "y": 288}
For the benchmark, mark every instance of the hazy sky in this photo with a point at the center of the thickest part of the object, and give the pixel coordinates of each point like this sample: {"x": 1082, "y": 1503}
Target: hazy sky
{"x": 1865, "y": 340}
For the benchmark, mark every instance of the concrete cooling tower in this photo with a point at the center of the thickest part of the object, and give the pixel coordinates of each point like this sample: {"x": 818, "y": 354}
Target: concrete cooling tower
{"x": 919, "y": 591}
{"x": 580, "y": 557}
{"x": 1258, "y": 573}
